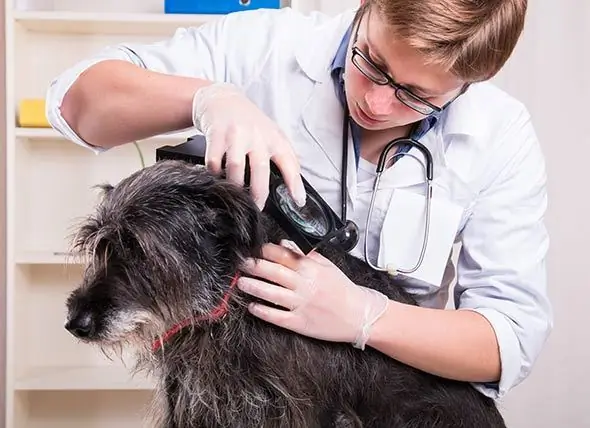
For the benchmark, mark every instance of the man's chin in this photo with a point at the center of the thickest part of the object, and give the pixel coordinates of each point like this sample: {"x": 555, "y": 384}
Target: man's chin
{"x": 379, "y": 126}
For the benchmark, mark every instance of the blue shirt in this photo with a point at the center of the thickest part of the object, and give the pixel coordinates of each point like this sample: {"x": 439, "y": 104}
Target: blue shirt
{"x": 337, "y": 71}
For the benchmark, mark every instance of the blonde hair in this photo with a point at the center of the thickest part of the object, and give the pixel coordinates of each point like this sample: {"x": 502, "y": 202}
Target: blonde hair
{"x": 473, "y": 39}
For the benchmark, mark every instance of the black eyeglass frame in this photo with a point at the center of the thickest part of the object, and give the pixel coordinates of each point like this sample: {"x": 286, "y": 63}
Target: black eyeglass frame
{"x": 429, "y": 108}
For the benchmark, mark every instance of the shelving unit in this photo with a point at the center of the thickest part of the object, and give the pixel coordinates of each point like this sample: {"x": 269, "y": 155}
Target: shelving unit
{"x": 64, "y": 22}
{"x": 39, "y": 134}
{"x": 52, "y": 380}
{"x": 82, "y": 379}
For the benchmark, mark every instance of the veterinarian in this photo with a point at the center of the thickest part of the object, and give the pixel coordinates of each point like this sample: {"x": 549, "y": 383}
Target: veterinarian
{"x": 273, "y": 84}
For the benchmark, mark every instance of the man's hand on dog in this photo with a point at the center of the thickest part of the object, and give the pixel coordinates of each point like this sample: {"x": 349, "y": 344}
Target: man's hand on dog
{"x": 234, "y": 127}
{"x": 318, "y": 299}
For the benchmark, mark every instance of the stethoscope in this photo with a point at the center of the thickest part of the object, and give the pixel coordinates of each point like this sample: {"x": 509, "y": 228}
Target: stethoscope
{"x": 427, "y": 166}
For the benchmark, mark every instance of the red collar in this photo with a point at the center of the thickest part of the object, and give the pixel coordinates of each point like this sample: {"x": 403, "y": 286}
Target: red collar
{"x": 217, "y": 313}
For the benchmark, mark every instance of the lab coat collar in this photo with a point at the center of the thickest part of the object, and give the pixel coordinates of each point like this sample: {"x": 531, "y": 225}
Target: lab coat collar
{"x": 323, "y": 114}
{"x": 464, "y": 117}
{"x": 317, "y": 48}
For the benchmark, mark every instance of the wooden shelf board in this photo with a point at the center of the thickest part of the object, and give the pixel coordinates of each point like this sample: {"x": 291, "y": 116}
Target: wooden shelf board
{"x": 52, "y": 134}
{"x": 82, "y": 378}
{"x": 107, "y": 23}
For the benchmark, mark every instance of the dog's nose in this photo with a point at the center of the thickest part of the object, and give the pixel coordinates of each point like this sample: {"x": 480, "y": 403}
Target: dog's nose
{"x": 81, "y": 326}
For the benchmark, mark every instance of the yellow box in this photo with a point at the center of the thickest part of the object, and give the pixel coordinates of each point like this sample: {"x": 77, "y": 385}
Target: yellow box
{"x": 32, "y": 114}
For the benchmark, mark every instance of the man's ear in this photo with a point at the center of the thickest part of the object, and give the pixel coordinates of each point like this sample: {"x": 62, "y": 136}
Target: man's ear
{"x": 362, "y": 2}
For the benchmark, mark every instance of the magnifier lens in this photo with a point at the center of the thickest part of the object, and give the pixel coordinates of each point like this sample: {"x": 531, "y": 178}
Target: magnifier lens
{"x": 310, "y": 218}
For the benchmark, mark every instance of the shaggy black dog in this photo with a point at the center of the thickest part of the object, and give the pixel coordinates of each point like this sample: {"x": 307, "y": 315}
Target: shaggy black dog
{"x": 165, "y": 247}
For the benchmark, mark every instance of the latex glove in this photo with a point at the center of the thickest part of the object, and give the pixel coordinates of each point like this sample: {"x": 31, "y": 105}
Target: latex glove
{"x": 318, "y": 299}
{"x": 236, "y": 127}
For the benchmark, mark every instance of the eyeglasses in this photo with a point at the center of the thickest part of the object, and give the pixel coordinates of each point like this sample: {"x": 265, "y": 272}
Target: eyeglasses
{"x": 376, "y": 75}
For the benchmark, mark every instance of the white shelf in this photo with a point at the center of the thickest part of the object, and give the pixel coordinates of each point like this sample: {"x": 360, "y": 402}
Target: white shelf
{"x": 52, "y": 134}
{"x": 47, "y": 258}
{"x": 82, "y": 378}
{"x": 107, "y": 23}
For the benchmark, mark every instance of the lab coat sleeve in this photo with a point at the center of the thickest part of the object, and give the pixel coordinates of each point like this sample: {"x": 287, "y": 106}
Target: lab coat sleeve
{"x": 226, "y": 49}
{"x": 502, "y": 264}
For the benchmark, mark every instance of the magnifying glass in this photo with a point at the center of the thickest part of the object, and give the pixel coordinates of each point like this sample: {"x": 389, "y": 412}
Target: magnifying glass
{"x": 314, "y": 224}
{"x": 310, "y": 227}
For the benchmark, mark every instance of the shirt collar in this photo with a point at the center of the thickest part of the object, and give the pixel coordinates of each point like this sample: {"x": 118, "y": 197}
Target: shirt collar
{"x": 339, "y": 61}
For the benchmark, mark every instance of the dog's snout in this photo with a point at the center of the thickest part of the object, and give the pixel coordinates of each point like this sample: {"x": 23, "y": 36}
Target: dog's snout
{"x": 82, "y": 325}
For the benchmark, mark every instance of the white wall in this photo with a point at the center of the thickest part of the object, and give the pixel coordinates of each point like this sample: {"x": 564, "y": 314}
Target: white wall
{"x": 327, "y": 6}
{"x": 549, "y": 72}
{"x": 2, "y": 222}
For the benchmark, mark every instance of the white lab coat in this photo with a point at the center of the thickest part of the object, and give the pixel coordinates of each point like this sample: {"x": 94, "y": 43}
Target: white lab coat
{"x": 489, "y": 187}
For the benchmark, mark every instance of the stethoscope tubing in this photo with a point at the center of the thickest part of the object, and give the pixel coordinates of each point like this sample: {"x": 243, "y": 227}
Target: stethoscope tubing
{"x": 428, "y": 168}
{"x": 390, "y": 268}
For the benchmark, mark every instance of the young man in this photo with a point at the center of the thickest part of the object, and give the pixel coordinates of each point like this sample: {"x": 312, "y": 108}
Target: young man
{"x": 275, "y": 85}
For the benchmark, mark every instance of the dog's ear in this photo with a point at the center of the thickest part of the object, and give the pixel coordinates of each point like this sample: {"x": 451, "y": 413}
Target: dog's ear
{"x": 241, "y": 220}
{"x": 105, "y": 189}
{"x": 250, "y": 229}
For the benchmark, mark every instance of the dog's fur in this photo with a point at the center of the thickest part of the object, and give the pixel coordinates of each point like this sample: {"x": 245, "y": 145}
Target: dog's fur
{"x": 164, "y": 245}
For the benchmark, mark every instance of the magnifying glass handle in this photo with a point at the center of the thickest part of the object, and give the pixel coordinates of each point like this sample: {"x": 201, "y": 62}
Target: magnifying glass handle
{"x": 348, "y": 236}
{"x": 344, "y": 238}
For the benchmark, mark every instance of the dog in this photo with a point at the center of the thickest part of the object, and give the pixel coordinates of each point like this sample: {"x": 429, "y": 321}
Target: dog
{"x": 164, "y": 249}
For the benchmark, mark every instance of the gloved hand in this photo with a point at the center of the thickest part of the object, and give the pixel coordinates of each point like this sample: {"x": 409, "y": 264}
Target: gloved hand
{"x": 319, "y": 300}
{"x": 235, "y": 126}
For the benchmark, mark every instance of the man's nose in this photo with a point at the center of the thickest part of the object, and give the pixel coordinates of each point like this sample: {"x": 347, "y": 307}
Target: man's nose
{"x": 381, "y": 100}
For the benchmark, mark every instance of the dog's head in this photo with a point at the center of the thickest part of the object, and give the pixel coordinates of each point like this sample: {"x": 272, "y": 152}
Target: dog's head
{"x": 162, "y": 246}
